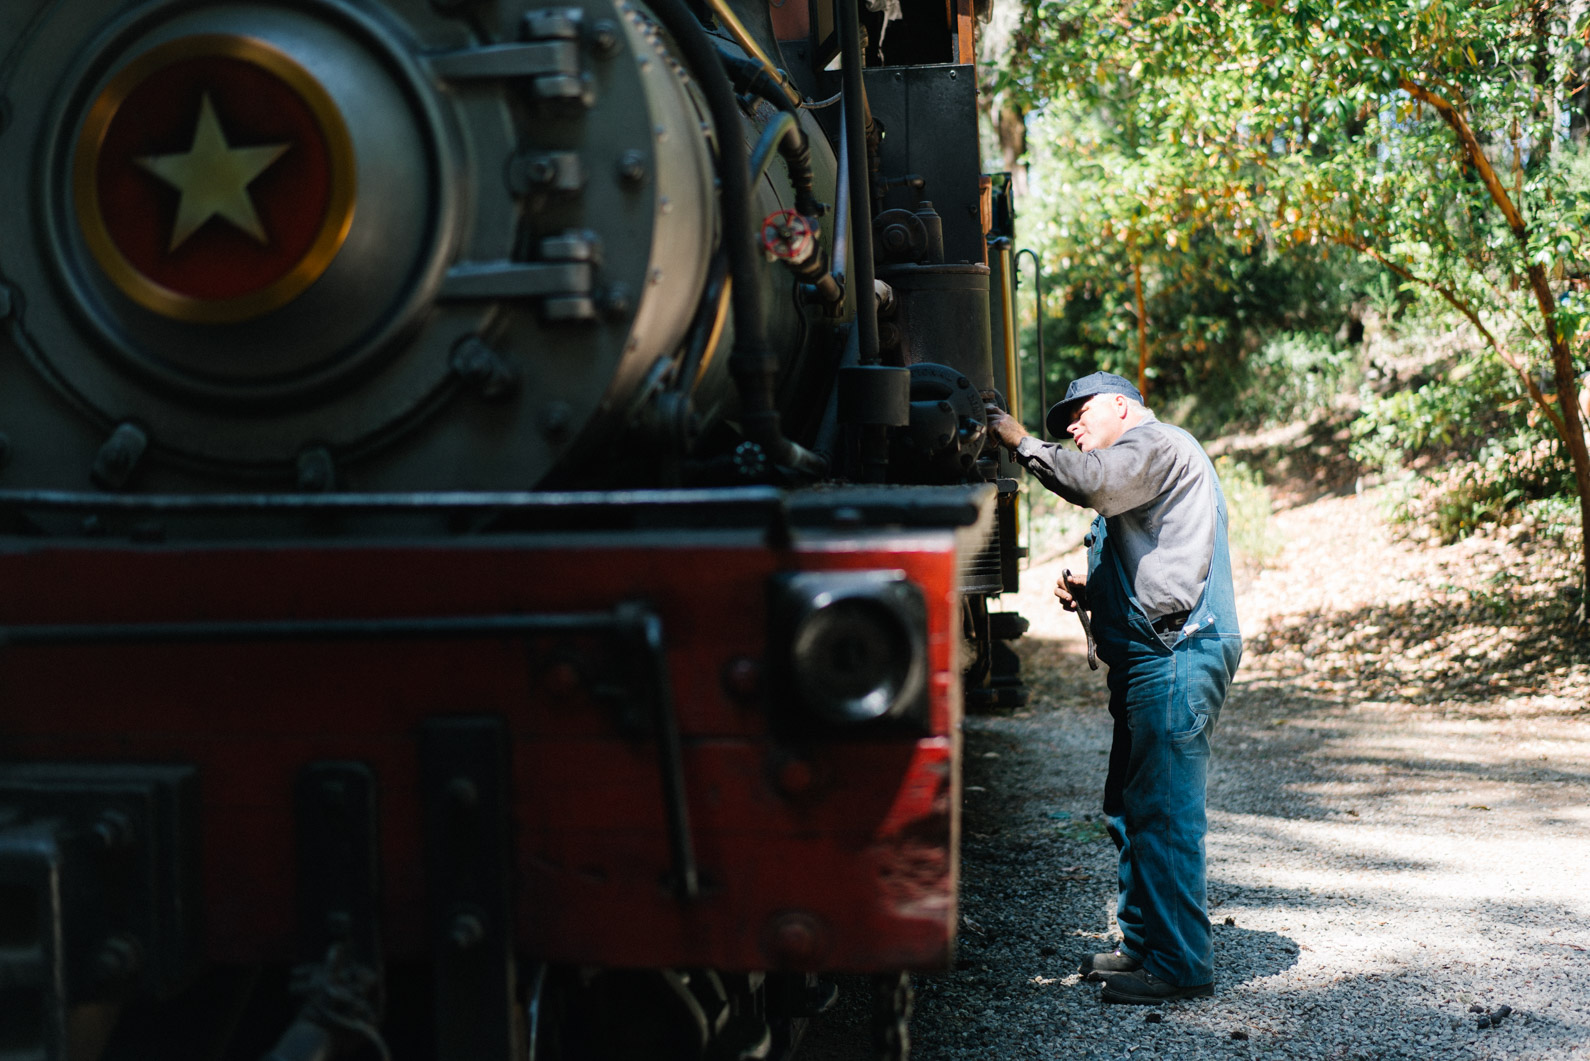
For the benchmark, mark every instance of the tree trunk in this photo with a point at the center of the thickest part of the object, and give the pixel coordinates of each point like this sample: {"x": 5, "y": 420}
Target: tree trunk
{"x": 1568, "y": 406}
{"x": 1568, "y": 421}
{"x": 1142, "y": 328}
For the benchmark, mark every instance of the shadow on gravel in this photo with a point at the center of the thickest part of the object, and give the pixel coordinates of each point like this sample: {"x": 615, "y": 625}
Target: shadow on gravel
{"x": 1469, "y": 649}
{"x": 1336, "y": 775}
{"x": 1243, "y": 954}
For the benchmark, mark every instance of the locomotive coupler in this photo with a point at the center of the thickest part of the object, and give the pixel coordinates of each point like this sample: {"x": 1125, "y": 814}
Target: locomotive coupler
{"x": 341, "y": 1010}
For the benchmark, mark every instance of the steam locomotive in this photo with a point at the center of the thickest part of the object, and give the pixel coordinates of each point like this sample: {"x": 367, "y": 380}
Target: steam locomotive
{"x": 496, "y": 525}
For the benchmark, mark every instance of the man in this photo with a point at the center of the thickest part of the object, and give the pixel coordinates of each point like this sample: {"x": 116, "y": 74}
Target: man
{"x": 1159, "y": 587}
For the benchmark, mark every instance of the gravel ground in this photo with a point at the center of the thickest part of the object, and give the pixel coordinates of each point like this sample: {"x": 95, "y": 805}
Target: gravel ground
{"x": 1399, "y": 832}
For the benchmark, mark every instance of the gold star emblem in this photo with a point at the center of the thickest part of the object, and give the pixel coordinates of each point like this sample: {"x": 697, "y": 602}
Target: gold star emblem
{"x": 213, "y": 177}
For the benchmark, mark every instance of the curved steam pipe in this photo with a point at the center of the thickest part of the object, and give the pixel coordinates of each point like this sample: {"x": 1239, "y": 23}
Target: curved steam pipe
{"x": 772, "y": 136}
{"x": 742, "y": 36}
{"x": 791, "y": 143}
{"x": 752, "y": 364}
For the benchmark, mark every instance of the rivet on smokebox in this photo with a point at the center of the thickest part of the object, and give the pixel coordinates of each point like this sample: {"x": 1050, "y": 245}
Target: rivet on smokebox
{"x": 117, "y": 961}
{"x": 796, "y": 939}
{"x": 463, "y": 793}
{"x": 556, "y": 421}
{"x": 603, "y": 36}
{"x": 465, "y": 931}
{"x": 114, "y": 832}
{"x": 119, "y": 456}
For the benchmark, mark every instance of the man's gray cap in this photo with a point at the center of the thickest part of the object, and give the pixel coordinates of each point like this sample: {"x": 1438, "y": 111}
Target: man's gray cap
{"x": 1081, "y": 390}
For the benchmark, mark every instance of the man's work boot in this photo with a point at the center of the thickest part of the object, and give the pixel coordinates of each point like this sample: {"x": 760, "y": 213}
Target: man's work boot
{"x": 1096, "y": 967}
{"x": 1142, "y": 988}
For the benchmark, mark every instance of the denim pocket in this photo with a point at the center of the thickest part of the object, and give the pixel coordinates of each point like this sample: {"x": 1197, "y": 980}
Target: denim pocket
{"x": 1200, "y": 719}
{"x": 1203, "y": 672}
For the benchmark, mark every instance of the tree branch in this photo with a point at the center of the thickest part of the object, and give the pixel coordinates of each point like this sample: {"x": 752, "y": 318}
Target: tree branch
{"x": 1471, "y": 147}
{"x": 1462, "y": 306}
{"x": 1570, "y": 426}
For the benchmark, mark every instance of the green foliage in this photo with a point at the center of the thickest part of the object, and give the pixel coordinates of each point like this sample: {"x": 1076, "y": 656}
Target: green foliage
{"x": 1554, "y": 519}
{"x": 1491, "y": 489}
{"x": 1379, "y": 147}
{"x": 1087, "y": 831}
{"x": 1292, "y": 374}
{"x": 1226, "y": 339}
{"x": 1451, "y": 413}
{"x": 1468, "y": 433}
{"x": 1052, "y": 526}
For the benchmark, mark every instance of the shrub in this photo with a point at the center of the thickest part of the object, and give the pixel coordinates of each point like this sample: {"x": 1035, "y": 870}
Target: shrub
{"x": 1292, "y": 375}
{"x": 1474, "y": 441}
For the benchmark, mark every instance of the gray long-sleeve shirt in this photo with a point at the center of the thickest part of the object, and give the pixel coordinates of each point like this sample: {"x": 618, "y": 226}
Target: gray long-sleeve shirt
{"x": 1157, "y": 490}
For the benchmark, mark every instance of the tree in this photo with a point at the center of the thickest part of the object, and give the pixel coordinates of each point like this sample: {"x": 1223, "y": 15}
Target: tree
{"x": 1426, "y": 136}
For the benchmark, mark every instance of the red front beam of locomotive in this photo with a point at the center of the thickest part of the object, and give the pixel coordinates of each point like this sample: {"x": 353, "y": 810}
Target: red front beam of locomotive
{"x": 828, "y": 851}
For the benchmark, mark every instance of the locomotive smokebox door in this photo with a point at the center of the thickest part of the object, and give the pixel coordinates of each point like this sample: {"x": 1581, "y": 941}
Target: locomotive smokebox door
{"x": 429, "y": 253}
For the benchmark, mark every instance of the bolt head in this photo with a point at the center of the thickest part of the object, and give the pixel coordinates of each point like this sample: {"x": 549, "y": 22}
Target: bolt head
{"x": 795, "y": 940}
{"x": 117, "y": 961}
{"x": 334, "y": 794}
{"x": 796, "y": 777}
{"x": 540, "y": 172}
{"x": 617, "y": 302}
{"x": 605, "y": 38}
{"x": 556, "y": 421}
{"x": 632, "y": 167}
{"x": 562, "y": 679}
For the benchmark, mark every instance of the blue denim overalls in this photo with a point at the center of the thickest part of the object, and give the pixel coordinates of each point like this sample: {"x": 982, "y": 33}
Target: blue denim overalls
{"x": 1165, "y": 701}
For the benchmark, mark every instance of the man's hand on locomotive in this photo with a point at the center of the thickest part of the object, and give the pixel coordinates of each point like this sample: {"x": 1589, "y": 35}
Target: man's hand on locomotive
{"x": 1006, "y": 429}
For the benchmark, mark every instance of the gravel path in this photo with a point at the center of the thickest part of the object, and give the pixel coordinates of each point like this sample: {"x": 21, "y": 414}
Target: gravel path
{"x": 1399, "y": 831}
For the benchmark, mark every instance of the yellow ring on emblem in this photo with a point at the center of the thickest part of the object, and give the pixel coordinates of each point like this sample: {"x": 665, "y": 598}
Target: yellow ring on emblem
{"x": 333, "y": 228}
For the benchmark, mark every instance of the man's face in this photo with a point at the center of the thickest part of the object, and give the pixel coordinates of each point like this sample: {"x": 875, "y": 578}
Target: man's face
{"x": 1099, "y": 422}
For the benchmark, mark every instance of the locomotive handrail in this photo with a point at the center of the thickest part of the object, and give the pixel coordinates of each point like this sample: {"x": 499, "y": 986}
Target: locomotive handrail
{"x": 68, "y": 500}
{"x": 944, "y": 505}
{"x": 212, "y": 631}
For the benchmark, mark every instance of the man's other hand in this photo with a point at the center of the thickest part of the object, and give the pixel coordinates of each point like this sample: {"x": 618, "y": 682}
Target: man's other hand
{"x": 1069, "y": 589}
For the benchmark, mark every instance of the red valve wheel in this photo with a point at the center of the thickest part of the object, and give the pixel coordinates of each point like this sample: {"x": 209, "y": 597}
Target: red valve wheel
{"x": 788, "y": 236}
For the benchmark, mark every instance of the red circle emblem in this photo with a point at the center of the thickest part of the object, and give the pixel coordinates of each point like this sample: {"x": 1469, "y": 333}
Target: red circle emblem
{"x": 214, "y": 179}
